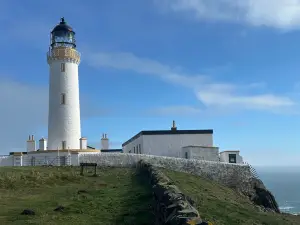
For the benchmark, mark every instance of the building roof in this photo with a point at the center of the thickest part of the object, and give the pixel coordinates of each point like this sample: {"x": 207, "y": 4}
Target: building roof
{"x": 167, "y": 132}
{"x": 112, "y": 150}
{"x": 62, "y": 27}
{"x": 198, "y": 146}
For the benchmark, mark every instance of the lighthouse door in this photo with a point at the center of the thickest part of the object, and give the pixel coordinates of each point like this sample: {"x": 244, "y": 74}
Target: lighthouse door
{"x": 64, "y": 144}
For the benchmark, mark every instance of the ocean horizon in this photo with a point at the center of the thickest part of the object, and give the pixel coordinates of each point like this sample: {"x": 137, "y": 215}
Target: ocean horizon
{"x": 284, "y": 184}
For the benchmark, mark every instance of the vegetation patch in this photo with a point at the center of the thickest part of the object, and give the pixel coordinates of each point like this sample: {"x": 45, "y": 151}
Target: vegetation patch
{"x": 224, "y": 206}
{"x": 60, "y": 195}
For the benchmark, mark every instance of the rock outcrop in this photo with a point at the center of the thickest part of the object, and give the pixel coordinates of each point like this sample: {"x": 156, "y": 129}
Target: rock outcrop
{"x": 263, "y": 197}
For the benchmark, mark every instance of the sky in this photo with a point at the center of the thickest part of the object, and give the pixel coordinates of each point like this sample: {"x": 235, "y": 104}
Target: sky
{"x": 227, "y": 65}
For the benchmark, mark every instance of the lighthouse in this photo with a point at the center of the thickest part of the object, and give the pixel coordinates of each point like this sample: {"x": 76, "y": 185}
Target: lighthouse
{"x": 64, "y": 128}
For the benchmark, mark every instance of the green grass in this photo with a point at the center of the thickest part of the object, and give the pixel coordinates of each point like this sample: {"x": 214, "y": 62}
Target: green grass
{"x": 116, "y": 196}
{"x": 223, "y": 206}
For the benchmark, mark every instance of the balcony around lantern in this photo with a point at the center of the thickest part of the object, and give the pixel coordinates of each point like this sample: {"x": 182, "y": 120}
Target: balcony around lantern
{"x": 63, "y": 53}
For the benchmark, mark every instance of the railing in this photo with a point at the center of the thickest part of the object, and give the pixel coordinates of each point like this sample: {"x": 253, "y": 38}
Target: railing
{"x": 252, "y": 170}
{"x": 61, "y": 53}
{"x": 47, "y": 161}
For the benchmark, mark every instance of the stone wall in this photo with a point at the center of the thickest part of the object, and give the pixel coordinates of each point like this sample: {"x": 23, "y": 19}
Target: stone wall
{"x": 236, "y": 176}
{"x": 171, "y": 205}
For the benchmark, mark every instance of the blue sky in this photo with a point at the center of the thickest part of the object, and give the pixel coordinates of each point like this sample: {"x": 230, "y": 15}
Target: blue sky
{"x": 228, "y": 65}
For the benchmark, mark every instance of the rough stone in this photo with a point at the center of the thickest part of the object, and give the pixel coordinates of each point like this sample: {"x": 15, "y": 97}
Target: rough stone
{"x": 28, "y": 212}
{"x": 172, "y": 206}
{"x": 59, "y": 209}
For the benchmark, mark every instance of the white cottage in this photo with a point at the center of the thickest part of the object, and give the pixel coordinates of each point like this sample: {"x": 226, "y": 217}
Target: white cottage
{"x": 189, "y": 144}
{"x": 201, "y": 153}
{"x": 167, "y": 142}
{"x": 231, "y": 156}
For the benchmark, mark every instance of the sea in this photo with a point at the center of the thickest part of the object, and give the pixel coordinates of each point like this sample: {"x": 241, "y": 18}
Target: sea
{"x": 284, "y": 183}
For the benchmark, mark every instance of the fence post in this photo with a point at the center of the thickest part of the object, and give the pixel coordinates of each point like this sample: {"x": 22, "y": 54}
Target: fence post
{"x": 58, "y": 159}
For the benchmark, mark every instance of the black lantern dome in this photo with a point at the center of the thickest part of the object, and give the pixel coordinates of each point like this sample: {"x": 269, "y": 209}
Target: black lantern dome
{"x": 63, "y": 35}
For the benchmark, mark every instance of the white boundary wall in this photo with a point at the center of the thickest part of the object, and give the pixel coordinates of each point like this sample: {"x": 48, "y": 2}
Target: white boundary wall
{"x": 229, "y": 174}
{"x": 238, "y": 175}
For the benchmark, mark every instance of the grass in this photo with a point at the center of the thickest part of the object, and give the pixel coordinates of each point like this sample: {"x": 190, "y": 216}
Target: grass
{"x": 223, "y": 206}
{"x": 115, "y": 196}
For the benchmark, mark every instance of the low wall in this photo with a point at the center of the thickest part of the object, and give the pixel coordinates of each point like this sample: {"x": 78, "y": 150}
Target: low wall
{"x": 6, "y": 160}
{"x": 171, "y": 205}
{"x": 232, "y": 175}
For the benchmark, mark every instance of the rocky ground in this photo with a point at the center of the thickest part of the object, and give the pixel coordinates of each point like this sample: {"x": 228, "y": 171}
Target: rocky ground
{"x": 224, "y": 206}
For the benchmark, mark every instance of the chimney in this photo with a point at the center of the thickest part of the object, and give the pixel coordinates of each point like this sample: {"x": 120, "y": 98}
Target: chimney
{"x": 42, "y": 144}
{"x": 31, "y": 145}
{"x": 104, "y": 142}
{"x": 174, "y": 126}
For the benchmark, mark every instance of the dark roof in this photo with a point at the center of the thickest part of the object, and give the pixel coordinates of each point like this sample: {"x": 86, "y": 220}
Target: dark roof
{"x": 164, "y": 132}
{"x": 112, "y": 150}
{"x": 24, "y": 153}
{"x": 62, "y": 26}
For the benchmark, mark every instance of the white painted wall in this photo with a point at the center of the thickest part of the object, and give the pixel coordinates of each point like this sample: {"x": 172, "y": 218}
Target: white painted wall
{"x": 104, "y": 143}
{"x": 168, "y": 144}
{"x": 134, "y": 145}
{"x": 42, "y": 144}
{"x": 201, "y": 153}
{"x": 31, "y": 145}
{"x": 224, "y": 156}
{"x": 6, "y": 160}
{"x": 83, "y": 143}
{"x": 63, "y": 120}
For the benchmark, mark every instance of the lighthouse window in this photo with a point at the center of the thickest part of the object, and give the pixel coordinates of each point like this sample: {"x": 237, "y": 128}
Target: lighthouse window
{"x": 64, "y": 143}
{"x": 63, "y": 99}
{"x": 63, "y": 67}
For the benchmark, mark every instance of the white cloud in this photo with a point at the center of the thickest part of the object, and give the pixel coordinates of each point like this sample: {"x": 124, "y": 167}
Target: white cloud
{"x": 283, "y": 14}
{"x": 222, "y": 98}
{"x": 211, "y": 93}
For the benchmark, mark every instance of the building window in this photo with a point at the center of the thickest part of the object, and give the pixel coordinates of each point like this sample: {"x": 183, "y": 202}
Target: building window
{"x": 133, "y": 149}
{"x": 63, "y": 99}
{"x": 232, "y": 158}
{"x": 64, "y": 144}
{"x": 140, "y": 148}
{"x": 186, "y": 155}
{"x": 63, "y": 67}
{"x": 137, "y": 149}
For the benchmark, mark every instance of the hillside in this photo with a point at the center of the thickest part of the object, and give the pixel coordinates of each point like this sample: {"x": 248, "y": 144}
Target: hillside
{"x": 223, "y": 206}
{"x": 115, "y": 196}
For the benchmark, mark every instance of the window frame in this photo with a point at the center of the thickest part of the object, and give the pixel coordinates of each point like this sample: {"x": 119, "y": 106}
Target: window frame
{"x": 63, "y": 67}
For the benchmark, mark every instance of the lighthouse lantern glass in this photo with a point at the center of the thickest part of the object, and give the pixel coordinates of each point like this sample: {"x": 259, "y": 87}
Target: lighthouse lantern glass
{"x": 63, "y": 39}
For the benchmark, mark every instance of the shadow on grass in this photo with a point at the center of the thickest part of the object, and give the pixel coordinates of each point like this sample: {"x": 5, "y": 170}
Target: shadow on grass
{"x": 138, "y": 204}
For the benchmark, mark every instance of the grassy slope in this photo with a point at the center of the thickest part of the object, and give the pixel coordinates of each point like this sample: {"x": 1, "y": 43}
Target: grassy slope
{"x": 117, "y": 196}
{"x": 223, "y": 206}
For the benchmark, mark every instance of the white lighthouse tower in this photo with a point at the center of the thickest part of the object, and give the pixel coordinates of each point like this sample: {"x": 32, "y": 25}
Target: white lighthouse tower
{"x": 64, "y": 130}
